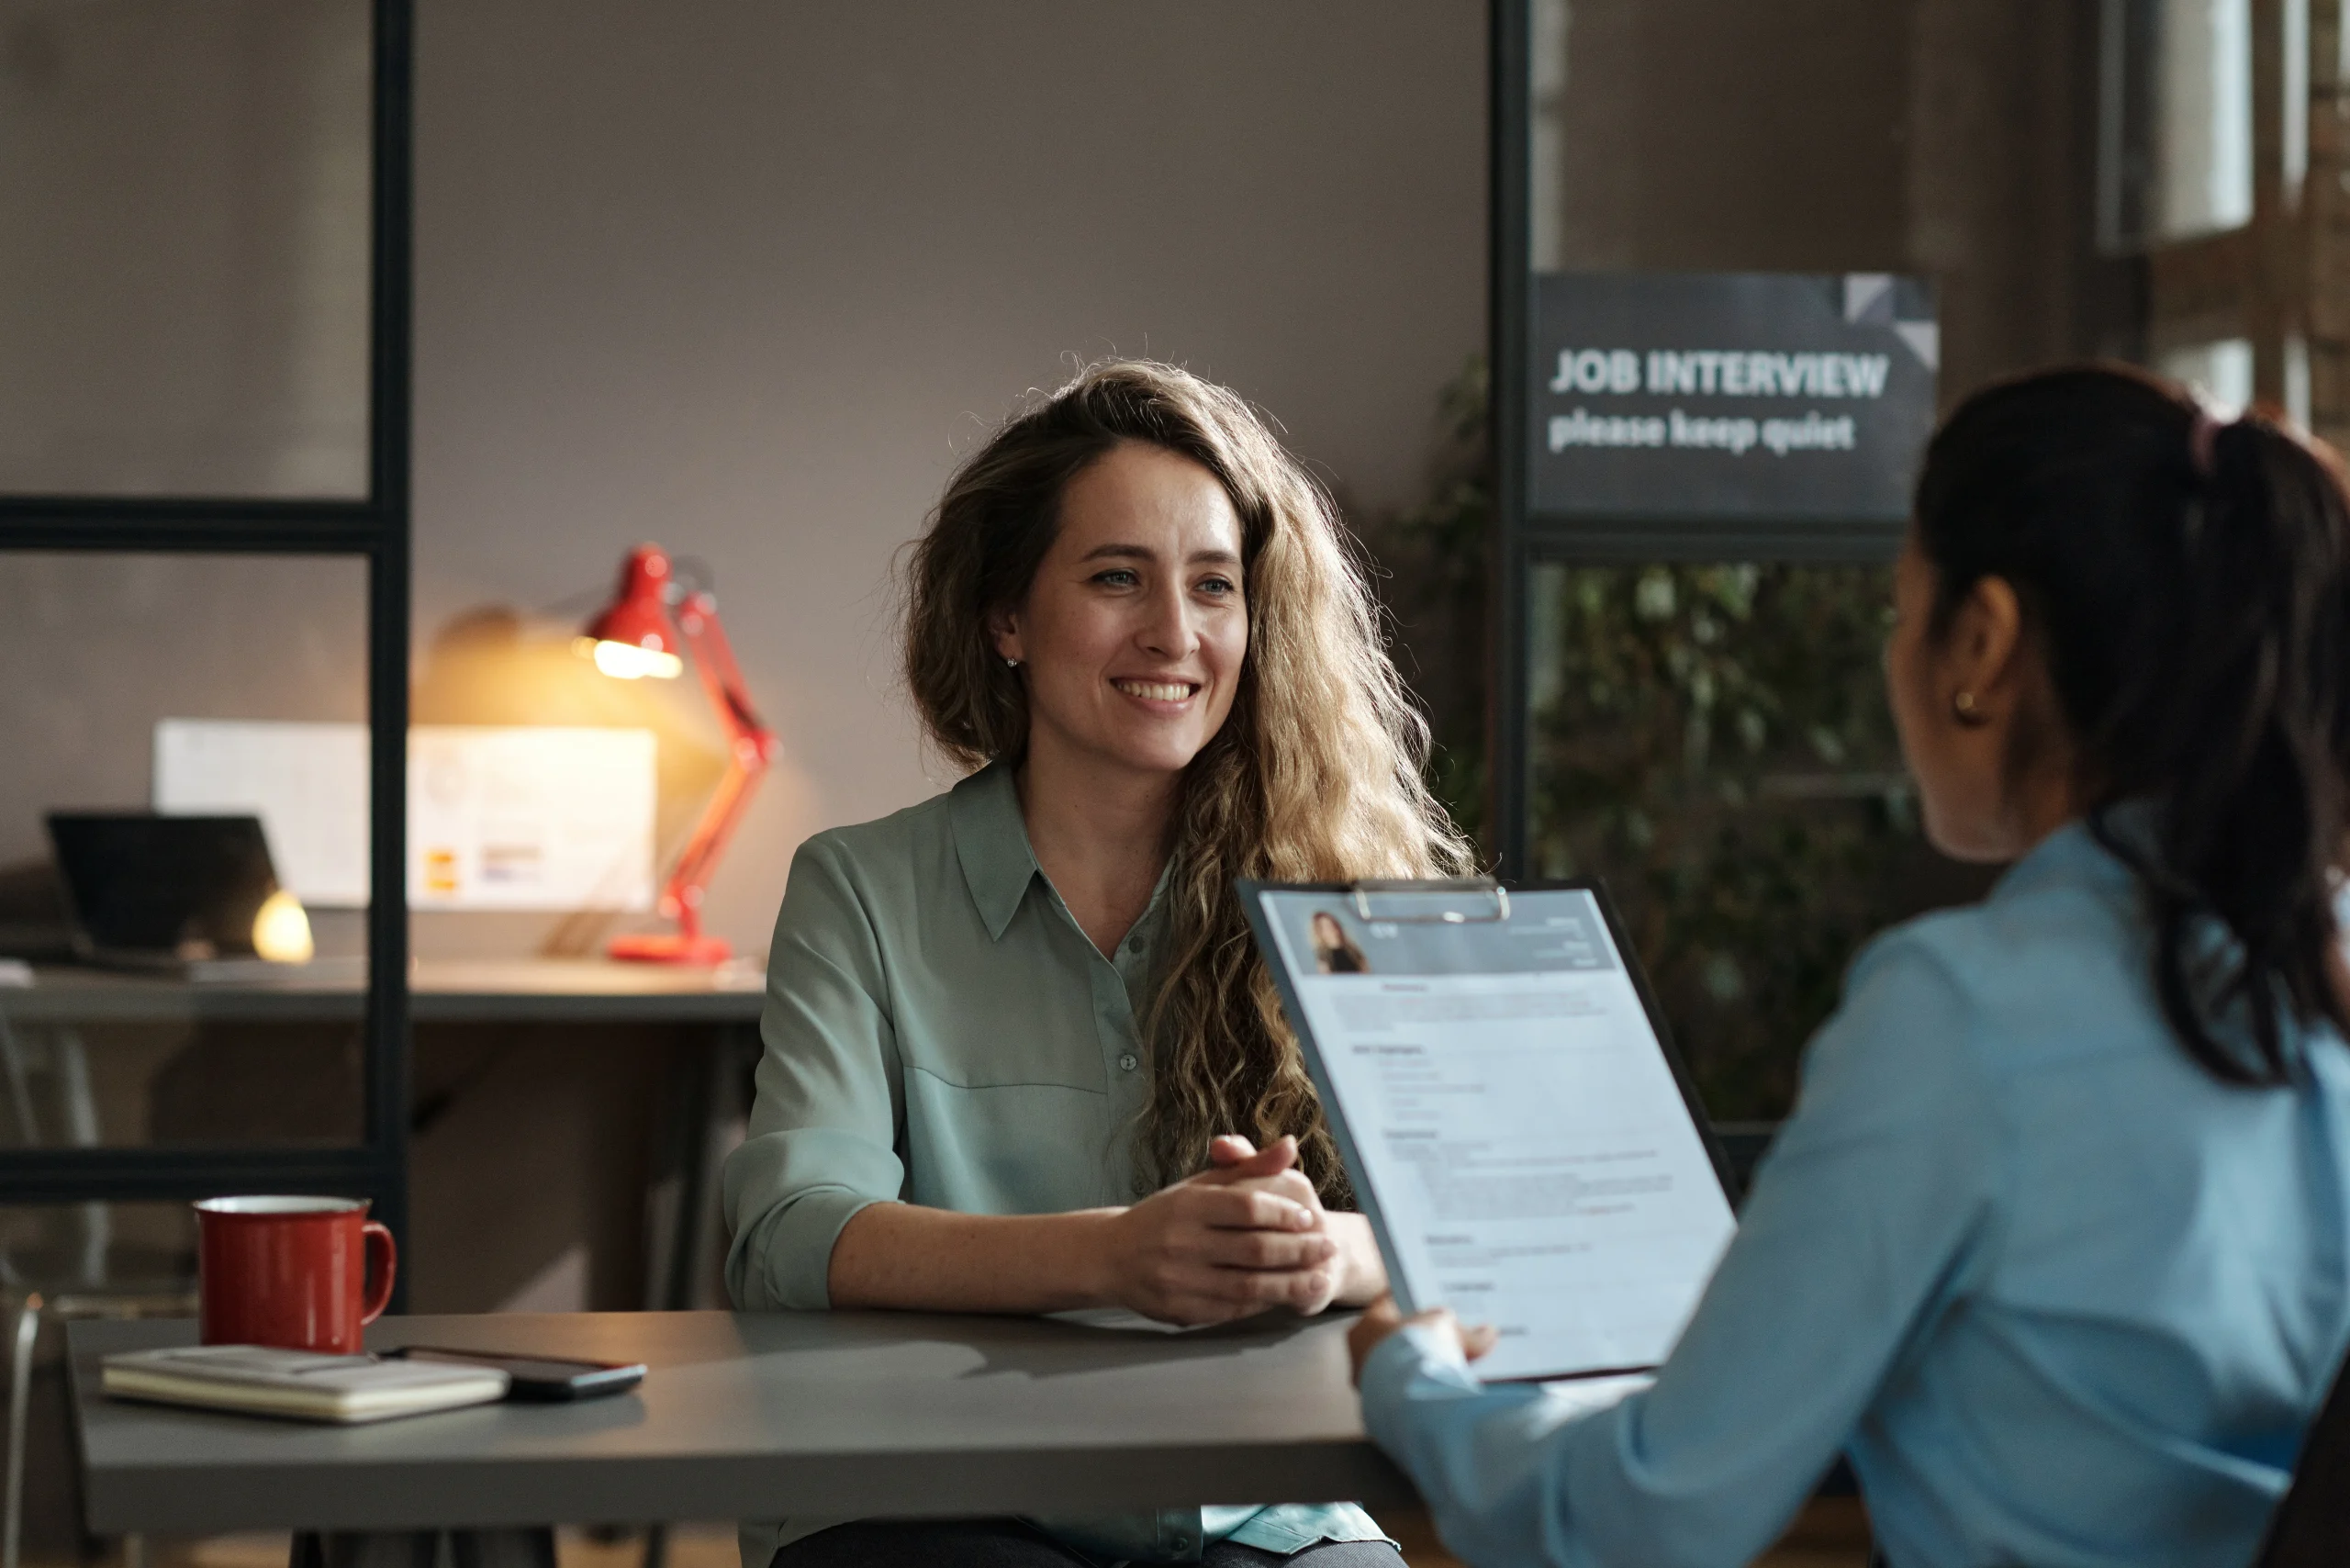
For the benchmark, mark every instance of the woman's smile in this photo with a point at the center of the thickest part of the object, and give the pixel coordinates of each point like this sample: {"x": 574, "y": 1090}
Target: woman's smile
{"x": 1158, "y": 696}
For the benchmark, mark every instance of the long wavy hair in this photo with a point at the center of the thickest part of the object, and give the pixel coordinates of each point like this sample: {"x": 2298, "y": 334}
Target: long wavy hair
{"x": 1315, "y": 774}
{"x": 2189, "y": 583}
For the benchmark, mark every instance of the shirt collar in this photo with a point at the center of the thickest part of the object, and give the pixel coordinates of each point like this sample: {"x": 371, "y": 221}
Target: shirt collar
{"x": 992, "y": 841}
{"x": 2072, "y": 854}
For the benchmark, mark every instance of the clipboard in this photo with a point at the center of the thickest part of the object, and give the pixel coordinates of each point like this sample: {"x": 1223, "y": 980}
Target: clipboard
{"x": 1485, "y": 976}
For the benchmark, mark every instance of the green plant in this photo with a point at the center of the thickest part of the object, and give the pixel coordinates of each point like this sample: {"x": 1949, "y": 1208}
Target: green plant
{"x": 1433, "y": 582}
{"x": 1712, "y": 740}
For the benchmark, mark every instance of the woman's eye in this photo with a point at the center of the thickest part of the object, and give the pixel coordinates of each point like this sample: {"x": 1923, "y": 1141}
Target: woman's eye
{"x": 1218, "y": 586}
{"x": 1117, "y": 577}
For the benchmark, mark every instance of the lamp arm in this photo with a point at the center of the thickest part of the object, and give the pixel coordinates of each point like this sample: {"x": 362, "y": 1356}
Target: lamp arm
{"x": 722, "y": 678}
{"x": 750, "y": 748}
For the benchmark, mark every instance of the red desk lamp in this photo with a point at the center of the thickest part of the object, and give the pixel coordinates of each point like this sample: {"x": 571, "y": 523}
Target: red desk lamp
{"x": 637, "y": 636}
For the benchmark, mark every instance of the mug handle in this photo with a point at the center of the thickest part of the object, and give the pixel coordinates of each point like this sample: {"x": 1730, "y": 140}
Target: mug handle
{"x": 381, "y": 1296}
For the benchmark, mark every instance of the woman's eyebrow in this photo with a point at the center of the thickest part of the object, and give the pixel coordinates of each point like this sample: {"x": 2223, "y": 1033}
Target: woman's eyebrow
{"x": 1145, "y": 553}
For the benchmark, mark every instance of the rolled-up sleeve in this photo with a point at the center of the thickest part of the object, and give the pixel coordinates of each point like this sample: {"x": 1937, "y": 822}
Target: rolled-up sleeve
{"x": 824, "y": 1132}
{"x": 1877, "y": 1205}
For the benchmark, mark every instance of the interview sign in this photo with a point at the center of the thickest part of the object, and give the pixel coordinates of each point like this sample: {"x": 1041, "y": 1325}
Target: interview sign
{"x": 1730, "y": 397}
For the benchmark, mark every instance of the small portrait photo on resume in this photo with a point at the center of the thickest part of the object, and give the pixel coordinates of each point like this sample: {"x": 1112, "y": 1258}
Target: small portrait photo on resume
{"x": 1335, "y": 952}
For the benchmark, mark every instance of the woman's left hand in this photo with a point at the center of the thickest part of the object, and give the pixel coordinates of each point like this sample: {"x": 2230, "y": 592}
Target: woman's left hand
{"x": 1381, "y": 1318}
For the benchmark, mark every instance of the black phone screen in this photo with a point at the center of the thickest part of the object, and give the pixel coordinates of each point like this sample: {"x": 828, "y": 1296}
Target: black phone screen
{"x": 541, "y": 1377}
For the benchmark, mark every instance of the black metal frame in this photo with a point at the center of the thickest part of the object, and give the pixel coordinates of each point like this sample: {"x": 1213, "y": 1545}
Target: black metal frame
{"x": 1508, "y": 310}
{"x": 376, "y": 529}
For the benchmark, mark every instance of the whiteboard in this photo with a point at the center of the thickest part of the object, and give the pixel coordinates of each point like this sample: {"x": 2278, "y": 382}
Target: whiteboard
{"x": 308, "y": 783}
{"x": 536, "y": 818}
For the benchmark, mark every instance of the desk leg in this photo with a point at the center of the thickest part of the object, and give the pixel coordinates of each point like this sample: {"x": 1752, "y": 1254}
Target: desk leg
{"x": 689, "y": 1132}
{"x": 81, "y": 1131}
{"x": 707, "y": 1100}
{"x": 366, "y": 1549}
{"x": 521, "y": 1547}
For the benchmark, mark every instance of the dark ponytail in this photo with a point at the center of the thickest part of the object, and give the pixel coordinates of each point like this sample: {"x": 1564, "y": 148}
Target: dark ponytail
{"x": 2188, "y": 585}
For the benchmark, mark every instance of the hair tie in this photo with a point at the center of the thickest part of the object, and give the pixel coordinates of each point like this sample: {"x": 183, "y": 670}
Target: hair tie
{"x": 2202, "y": 443}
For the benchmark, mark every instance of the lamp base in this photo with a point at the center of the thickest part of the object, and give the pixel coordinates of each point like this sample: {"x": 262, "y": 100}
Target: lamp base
{"x": 667, "y": 947}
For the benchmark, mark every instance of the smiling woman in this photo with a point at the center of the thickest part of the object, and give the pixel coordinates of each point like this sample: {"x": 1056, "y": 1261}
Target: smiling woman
{"x": 1021, "y": 1053}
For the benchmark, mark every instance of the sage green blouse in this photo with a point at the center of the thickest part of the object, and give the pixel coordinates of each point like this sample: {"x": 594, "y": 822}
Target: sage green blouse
{"x": 940, "y": 1031}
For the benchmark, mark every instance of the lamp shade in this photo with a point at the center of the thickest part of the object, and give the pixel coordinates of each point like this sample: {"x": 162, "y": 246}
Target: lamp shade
{"x": 634, "y": 635}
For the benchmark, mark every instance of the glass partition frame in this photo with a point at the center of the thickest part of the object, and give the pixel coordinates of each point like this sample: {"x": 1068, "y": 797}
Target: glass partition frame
{"x": 375, "y": 528}
{"x": 1523, "y": 537}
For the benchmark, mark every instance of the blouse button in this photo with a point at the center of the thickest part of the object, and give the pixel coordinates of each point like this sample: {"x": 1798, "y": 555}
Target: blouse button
{"x": 1127, "y": 1062}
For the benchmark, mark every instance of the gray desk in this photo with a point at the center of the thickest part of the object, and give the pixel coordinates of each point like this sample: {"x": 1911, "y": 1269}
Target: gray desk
{"x": 760, "y": 1415}
{"x": 440, "y": 991}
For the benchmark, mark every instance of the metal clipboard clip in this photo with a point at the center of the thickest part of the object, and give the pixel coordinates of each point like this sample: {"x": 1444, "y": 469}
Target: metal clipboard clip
{"x": 1482, "y": 887}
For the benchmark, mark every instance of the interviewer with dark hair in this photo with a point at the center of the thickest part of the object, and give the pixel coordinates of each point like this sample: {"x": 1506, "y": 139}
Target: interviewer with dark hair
{"x": 2057, "y": 1245}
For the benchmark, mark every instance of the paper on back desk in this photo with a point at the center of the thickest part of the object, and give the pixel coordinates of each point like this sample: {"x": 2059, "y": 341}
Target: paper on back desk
{"x": 500, "y": 817}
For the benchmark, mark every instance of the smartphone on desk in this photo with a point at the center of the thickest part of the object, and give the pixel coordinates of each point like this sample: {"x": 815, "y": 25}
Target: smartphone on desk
{"x": 542, "y": 1378}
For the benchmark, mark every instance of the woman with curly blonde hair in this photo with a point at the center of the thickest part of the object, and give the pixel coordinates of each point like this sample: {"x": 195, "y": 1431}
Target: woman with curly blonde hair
{"x": 1022, "y": 1055}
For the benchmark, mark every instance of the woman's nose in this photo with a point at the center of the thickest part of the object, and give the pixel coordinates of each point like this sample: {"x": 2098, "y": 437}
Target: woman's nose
{"x": 1167, "y": 629}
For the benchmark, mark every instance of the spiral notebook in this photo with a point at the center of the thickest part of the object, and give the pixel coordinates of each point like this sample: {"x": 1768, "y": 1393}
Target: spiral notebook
{"x": 296, "y": 1384}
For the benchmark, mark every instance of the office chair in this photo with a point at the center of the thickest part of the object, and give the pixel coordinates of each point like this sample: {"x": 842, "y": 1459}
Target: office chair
{"x": 2311, "y": 1526}
{"x": 92, "y": 1276}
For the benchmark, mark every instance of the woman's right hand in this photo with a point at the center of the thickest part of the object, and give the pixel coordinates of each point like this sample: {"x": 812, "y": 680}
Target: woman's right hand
{"x": 1229, "y": 1242}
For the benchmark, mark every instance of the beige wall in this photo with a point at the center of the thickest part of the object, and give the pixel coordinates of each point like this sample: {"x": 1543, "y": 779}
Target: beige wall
{"x": 1946, "y": 138}
{"x": 747, "y": 278}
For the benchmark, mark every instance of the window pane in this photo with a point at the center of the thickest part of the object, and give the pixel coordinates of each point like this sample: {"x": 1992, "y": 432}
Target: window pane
{"x": 146, "y": 1251}
{"x": 2178, "y": 119}
{"x": 1713, "y": 741}
{"x": 2221, "y": 373}
{"x": 161, "y": 992}
{"x": 184, "y": 241}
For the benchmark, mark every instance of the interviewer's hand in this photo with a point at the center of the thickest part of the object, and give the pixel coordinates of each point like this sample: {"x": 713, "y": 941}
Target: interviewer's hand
{"x": 1231, "y": 1241}
{"x": 1381, "y": 1318}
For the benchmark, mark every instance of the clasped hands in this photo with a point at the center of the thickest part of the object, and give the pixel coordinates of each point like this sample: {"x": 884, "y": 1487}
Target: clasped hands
{"x": 1245, "y": 1235}
{"x": 1248, "y": 1234}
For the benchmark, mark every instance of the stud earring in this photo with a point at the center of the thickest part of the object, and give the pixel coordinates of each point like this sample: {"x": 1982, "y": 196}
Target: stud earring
{"x": 1012, "y": 663}
{"x": 1969, "y": 712}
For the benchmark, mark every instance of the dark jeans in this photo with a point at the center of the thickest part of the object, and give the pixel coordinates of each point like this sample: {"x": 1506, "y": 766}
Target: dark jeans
{"x": 1008, "y": 1543}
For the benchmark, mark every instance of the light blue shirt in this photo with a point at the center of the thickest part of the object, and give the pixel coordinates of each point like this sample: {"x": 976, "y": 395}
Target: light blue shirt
{"x": 2065, "y": 1299}
{"x": 940, "y": 1031}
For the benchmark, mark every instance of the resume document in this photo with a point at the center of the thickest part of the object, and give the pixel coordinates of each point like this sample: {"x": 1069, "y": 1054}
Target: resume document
{"x": 1509, "y": 1117}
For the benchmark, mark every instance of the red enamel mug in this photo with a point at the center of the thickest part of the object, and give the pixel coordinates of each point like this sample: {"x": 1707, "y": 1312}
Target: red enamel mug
{"x": 290, "y": 1272}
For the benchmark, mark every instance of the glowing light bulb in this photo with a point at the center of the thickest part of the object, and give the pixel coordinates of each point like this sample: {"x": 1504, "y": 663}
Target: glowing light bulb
{"x": 626, "y": 661}
{"x": 282, "y": 931}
